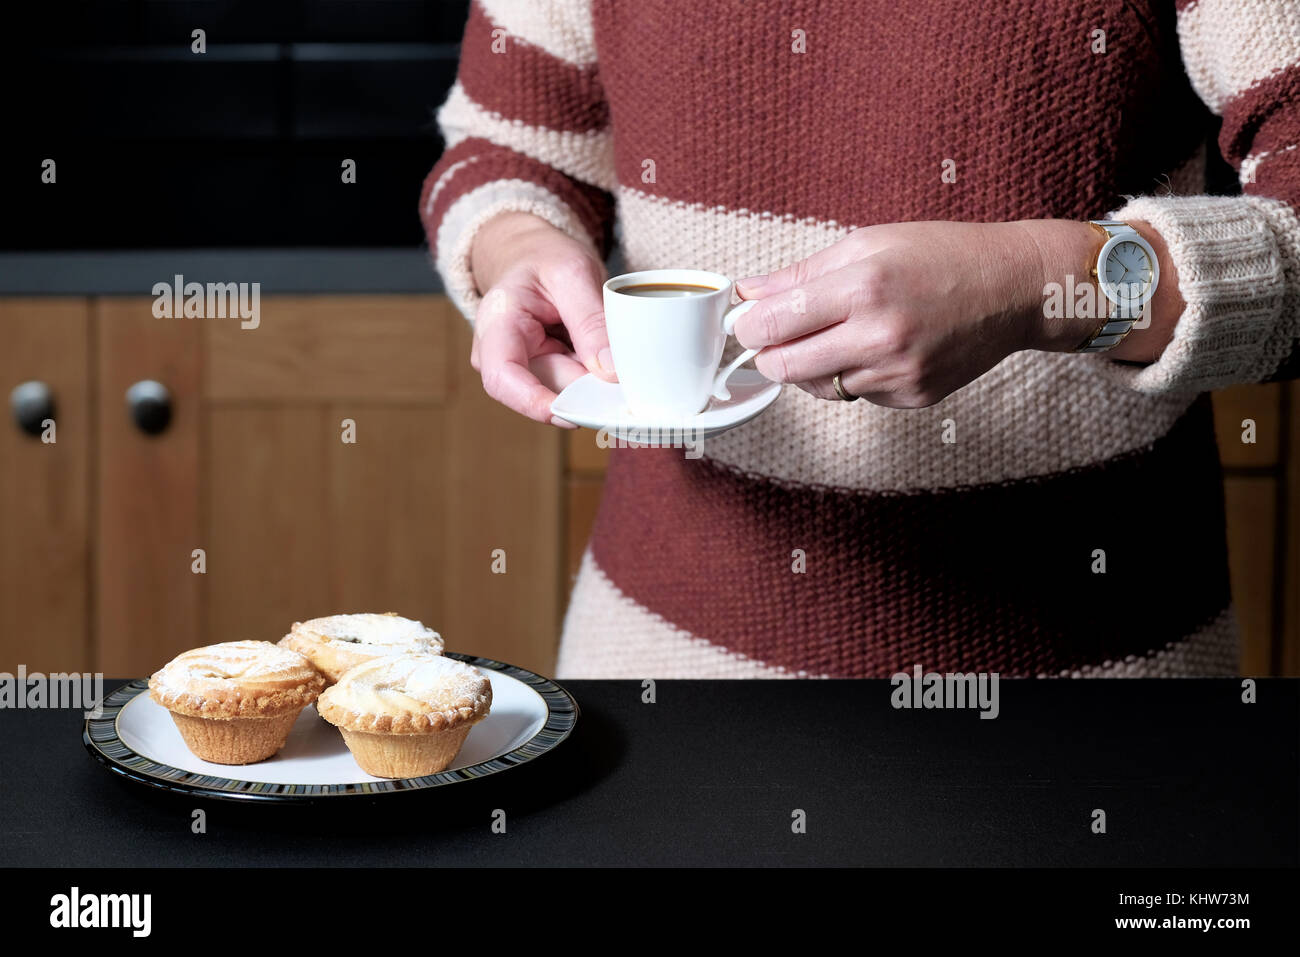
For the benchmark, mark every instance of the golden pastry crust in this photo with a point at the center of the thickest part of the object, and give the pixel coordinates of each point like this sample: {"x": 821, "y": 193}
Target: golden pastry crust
{"x": 405, "y": 755}
{"x": 235, "y": 740}
{"x": 236, "y": 679}
{"x": 340, "y": 642}
{"x": 407, "y": 694}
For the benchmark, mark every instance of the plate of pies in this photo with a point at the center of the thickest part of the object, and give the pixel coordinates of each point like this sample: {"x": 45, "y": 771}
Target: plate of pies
{"x": 359, "y": 704}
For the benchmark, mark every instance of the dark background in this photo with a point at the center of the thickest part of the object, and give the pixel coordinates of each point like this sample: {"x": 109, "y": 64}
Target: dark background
{"x": 241, "y": 146}
{"x": 159, "y": 147}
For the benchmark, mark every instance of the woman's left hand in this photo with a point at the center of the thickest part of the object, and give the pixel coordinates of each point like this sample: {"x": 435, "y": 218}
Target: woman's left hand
{"x": 908, "y": 313}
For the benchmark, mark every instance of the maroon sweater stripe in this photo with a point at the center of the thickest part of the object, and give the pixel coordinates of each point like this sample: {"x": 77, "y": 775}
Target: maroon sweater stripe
{"x": 854, "y": 132}
{"x": 526, "y": 83}
{"x": 591, "y": 205}
{"x": 999, "y": 574}
{"x": 1278, "y": 175}
{"x": 1266, "y": 116}
{"x": 1264, "y": 119}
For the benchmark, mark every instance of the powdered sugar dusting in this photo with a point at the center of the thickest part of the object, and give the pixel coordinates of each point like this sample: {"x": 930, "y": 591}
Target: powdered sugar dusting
{"x": 390, "y": 633}
{"x": 242, "y": 662}
{"x": 411, "y": 684}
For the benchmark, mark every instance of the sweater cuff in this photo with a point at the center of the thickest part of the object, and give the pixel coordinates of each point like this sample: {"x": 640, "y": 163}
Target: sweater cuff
{"x": 1234, "y": 256}
{"x": 464, "y": 218}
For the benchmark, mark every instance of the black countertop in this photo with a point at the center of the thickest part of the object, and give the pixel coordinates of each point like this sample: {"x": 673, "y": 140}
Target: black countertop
{"x": 712, "y": 772}
{"x": 279, "y": 271}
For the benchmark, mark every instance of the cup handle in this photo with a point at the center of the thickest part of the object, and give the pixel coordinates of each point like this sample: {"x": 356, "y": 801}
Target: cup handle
{"x": 720, "y": 390}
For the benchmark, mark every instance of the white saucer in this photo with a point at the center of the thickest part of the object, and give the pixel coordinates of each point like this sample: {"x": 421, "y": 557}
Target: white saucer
{"x": 597, "y": 404}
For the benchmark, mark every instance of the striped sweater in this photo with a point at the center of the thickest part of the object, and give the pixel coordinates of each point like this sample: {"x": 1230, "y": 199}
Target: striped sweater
{"x": 1061, "y": 515}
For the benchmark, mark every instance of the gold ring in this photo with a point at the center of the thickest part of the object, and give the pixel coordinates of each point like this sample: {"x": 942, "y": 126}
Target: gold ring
{"x": 840, "y": 390}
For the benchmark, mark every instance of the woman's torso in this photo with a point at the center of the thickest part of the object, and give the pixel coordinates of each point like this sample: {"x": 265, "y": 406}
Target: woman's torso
{"x": 965, "y": 534}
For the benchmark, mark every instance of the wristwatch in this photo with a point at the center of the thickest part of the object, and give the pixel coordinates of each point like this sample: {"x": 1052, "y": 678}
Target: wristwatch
{"x": 1127, "y": 273}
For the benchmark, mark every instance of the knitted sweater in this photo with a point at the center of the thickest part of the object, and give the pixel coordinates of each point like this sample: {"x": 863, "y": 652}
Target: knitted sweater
{"x": 1061, "y": 515}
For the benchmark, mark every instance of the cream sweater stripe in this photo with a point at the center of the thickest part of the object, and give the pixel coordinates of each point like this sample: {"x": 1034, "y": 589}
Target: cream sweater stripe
{"x": 562, "y": 28}
{"x": 587, "y": 157}
{"x": 456, "y": 232}
{"x": 1230, "y": 45}
{"x": 865, "y": 446}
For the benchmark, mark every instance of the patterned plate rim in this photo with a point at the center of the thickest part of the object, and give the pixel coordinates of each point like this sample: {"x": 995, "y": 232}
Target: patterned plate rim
{"x": 103, "y": 742}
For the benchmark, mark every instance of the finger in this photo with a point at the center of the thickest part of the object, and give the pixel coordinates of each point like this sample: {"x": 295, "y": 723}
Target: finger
{"x": 854, "y": 246}
{"x": 504, "y": 351}
{"x": 557, "y": 370}
{"x": 819, "y": 389}
{"x": 818, "y": 356}
{"x": 799, "y": 312}
{"x": 503, "y": 301}
{"x": 864, "y": 384}
{"x": 574, "y": 288}
{"x": 891, "y": 400}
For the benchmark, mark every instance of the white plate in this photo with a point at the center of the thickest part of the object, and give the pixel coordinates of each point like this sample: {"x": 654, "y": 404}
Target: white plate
{"x": 596, "y": 404}
{"x": 136, "y": 736}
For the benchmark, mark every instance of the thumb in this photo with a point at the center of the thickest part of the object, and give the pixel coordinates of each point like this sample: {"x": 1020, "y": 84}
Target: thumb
{"x": 582, "y": 310}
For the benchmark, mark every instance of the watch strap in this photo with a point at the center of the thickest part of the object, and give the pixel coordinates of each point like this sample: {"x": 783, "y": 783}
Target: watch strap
{"x": 1112, "y": 329}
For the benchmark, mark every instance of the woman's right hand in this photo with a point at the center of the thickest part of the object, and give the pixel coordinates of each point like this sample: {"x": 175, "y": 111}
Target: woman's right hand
{"x": 541, "y": 323}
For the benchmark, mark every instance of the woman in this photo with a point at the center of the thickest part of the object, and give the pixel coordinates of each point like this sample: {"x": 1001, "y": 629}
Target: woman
{"x": 1030, "y": 484}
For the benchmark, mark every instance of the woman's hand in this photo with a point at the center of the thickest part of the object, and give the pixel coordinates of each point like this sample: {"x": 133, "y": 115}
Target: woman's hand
{"x": 908, "y": 313}
{"x": 541, "y": 323}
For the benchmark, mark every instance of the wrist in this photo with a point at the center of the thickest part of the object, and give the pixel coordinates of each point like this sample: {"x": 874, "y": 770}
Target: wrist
{"x": 495, "y": 244}
{"x": 1148, "y": 339}
{"x": 1063, "y": 302}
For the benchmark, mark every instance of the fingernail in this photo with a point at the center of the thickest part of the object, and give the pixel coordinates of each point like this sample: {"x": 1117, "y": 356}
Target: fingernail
{"x": 753, "y": 283}
{"x": 556, "y": 420}
{"x": 606, "y": 360}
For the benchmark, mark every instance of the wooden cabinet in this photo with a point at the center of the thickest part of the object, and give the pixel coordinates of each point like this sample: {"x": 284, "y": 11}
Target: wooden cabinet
{"x": 1258, "y": 444}
{"x": 45, "y": 489}
{"x": 341, "y": 456}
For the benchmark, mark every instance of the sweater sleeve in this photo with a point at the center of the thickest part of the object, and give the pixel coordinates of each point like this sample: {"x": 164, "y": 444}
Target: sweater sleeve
{"x": 526, "y": 129}
{"x": 1237, "y": 257}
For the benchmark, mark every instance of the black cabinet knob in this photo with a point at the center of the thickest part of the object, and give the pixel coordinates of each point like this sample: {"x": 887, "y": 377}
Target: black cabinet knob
{"x": 32, "y": 403}
{"x": 150, "y": 405}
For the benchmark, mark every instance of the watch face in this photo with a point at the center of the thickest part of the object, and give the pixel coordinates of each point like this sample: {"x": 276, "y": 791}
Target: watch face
{"x": 1128, "y": 272}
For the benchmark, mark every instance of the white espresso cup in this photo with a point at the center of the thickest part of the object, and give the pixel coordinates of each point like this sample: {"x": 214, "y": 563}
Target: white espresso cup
{"x": 667, "y": 347}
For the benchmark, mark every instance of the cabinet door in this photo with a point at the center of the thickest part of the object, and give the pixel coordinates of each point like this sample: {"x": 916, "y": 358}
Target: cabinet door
{"x": 339, "y": 457}
{"x": 44, "y": 492}
{"x": 1252, "y": 439}
{"x": 147, "y": 595}
{"x": 353, "y": 463}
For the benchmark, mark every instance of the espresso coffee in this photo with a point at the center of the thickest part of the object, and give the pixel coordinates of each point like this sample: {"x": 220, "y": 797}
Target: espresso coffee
{"x": 665, "y": 290}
